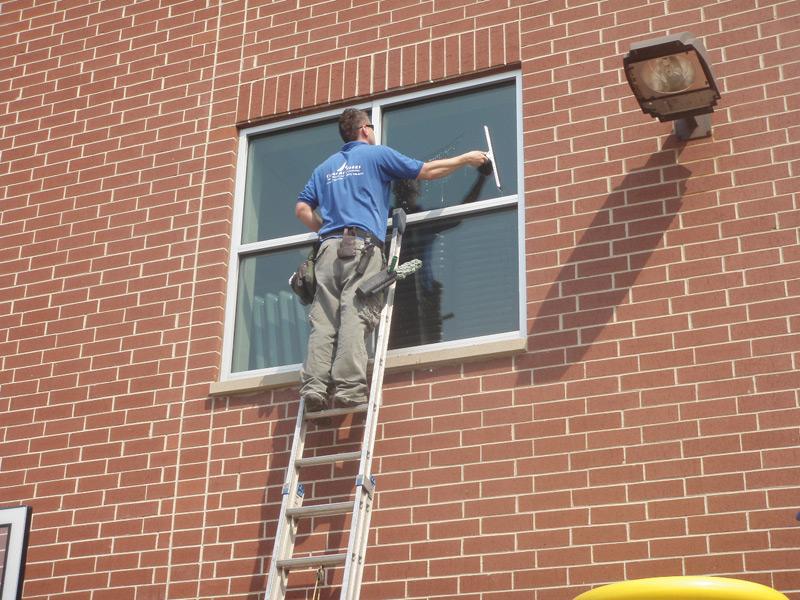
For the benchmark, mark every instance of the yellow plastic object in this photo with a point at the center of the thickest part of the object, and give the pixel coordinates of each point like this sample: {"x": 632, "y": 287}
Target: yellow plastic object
{"x": 683, "y": 588}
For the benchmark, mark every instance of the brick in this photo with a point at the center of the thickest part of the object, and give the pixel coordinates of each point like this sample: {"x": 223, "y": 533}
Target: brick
{"x": 661, "y": 356}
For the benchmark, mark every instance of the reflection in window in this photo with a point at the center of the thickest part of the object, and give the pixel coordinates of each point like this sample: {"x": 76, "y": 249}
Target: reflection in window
{"x": 468, "y": 283}
{"x": 271, "y": 324}
{"x": 449, "y": 126}
{"x": 278, "y": 166}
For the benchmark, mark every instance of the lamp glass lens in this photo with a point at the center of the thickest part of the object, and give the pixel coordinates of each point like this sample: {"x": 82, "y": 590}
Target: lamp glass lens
{"x": 668, "y": 74}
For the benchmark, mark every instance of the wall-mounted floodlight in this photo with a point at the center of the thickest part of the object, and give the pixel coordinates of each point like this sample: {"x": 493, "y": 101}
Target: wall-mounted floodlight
{"x": 671, "y": 78}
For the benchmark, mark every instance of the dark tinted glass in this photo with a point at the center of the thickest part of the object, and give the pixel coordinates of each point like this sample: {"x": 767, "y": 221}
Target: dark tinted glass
{"x": 450, "y": 125}
{"x": 271, "y": 324}
{"x": 278, "y": 166}
{"x": 468, "y": 285}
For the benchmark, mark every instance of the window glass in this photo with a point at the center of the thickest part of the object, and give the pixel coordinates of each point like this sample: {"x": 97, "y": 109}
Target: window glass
{"x": 271, "y": 324}
{"x": 279, "y": 164}
{"x": 449, "y": 125}
{"x": 468, "y": 284}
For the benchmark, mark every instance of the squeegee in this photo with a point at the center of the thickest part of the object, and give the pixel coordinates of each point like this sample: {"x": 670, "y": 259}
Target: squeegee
{"x": 491, "y": 165}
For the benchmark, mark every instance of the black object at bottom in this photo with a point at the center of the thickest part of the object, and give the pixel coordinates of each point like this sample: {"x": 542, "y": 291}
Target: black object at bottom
{"x": 376, "y": 283}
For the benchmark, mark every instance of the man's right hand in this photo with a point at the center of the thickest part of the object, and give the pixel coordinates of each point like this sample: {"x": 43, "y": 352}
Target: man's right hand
{"x": 476, "y": 158}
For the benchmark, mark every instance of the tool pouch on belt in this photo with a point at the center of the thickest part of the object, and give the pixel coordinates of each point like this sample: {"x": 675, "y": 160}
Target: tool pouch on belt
{"x": 366, "y": 255}
{"x": 347, "y": 247}
{"x": 303, "y": 282}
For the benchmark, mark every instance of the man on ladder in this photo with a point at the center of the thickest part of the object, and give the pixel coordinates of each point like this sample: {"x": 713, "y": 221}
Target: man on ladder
{"x": 350, "y": 192}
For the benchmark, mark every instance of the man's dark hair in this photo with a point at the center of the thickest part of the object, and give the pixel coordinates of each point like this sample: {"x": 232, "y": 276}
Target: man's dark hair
{"x": 350, "y": 121}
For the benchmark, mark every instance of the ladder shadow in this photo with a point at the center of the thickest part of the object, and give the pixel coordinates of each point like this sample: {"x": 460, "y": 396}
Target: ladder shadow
{"x": 276, "y": 412}
{"x": 592, "y": 282}
{"x": 236, "y": 420}
{"x": 577, "y": 305}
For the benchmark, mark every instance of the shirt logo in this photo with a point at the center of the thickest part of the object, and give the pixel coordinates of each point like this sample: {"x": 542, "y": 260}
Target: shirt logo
{"x": 344, "y": 171}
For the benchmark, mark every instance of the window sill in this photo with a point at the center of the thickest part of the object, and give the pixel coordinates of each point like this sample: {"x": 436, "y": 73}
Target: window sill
{"x": 396, "y": 361}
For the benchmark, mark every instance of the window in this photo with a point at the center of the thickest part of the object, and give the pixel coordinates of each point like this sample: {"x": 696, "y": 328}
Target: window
{"x": 15, "y": 526}
{"x": 465, "y": 230}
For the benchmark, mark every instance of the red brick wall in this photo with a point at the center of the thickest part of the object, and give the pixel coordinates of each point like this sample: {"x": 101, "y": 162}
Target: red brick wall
{"x": 651, "y": 429}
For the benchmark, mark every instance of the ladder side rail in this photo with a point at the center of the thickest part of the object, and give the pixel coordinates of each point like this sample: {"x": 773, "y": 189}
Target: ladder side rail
{"x": 362, "y": 504}
{"x": 359, "y": 530}
{"x": 287, "y": 526}
{"x": 362, "y": 542}
{"x": 379, "y": 367}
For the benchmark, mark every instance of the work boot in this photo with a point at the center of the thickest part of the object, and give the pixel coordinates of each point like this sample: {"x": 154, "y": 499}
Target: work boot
{"x": 315, "y": 402}
{"x": 350, "y": 402}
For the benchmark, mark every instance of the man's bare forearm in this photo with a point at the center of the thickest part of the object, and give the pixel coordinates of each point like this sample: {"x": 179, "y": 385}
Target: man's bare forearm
{"x": 436, "y": 169}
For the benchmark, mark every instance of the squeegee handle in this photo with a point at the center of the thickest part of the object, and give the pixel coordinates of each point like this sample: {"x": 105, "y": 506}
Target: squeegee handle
{"x": 490, "y": 155}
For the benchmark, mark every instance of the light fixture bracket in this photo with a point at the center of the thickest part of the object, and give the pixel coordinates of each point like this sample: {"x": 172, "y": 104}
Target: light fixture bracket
{"x": 692, "y": 128}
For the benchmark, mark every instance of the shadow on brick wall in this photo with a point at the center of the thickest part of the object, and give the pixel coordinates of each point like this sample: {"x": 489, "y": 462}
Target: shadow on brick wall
{"x": 253, "y": 436}
{"x": 621, "y": 247}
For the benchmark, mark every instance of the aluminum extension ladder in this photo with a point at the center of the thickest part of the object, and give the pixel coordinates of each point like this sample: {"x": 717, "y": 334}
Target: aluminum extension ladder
{"x": 292, "y": 509}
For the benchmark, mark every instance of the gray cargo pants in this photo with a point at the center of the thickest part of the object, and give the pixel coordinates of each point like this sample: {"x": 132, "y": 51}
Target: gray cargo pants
{"x": 340, "y": 325}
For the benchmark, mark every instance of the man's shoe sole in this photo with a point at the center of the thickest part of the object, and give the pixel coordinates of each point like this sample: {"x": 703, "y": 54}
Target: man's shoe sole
{"x": 349, "y": 403}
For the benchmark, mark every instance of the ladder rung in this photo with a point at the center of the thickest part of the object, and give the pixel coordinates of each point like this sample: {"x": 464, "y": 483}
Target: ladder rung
{"x": 327, "y": 459}
{"x": 320, "y": 510}
{"x": 322, "y": 560}
{"x": 336, "y": 412}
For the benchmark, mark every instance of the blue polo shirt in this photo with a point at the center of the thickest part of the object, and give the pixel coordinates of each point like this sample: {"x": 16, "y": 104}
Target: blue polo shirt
{"x": 352, "y": 188}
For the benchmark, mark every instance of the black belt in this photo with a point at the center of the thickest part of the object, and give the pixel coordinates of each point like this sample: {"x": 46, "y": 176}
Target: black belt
{"x": 360, "y": 233}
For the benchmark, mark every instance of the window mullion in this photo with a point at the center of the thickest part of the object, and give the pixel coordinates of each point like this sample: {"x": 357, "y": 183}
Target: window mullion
{"x": 463, "y": 209}
{"x": 276, "y": 244}
{"x": 233, "y": 267}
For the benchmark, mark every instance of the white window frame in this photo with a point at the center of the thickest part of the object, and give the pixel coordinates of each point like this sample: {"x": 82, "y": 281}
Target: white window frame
{"x": 437, "y": 352}
{"x": 18, "y": 520}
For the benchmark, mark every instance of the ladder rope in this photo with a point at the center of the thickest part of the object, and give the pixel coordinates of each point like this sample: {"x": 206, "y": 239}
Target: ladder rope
{"x": 318, "y": 584}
